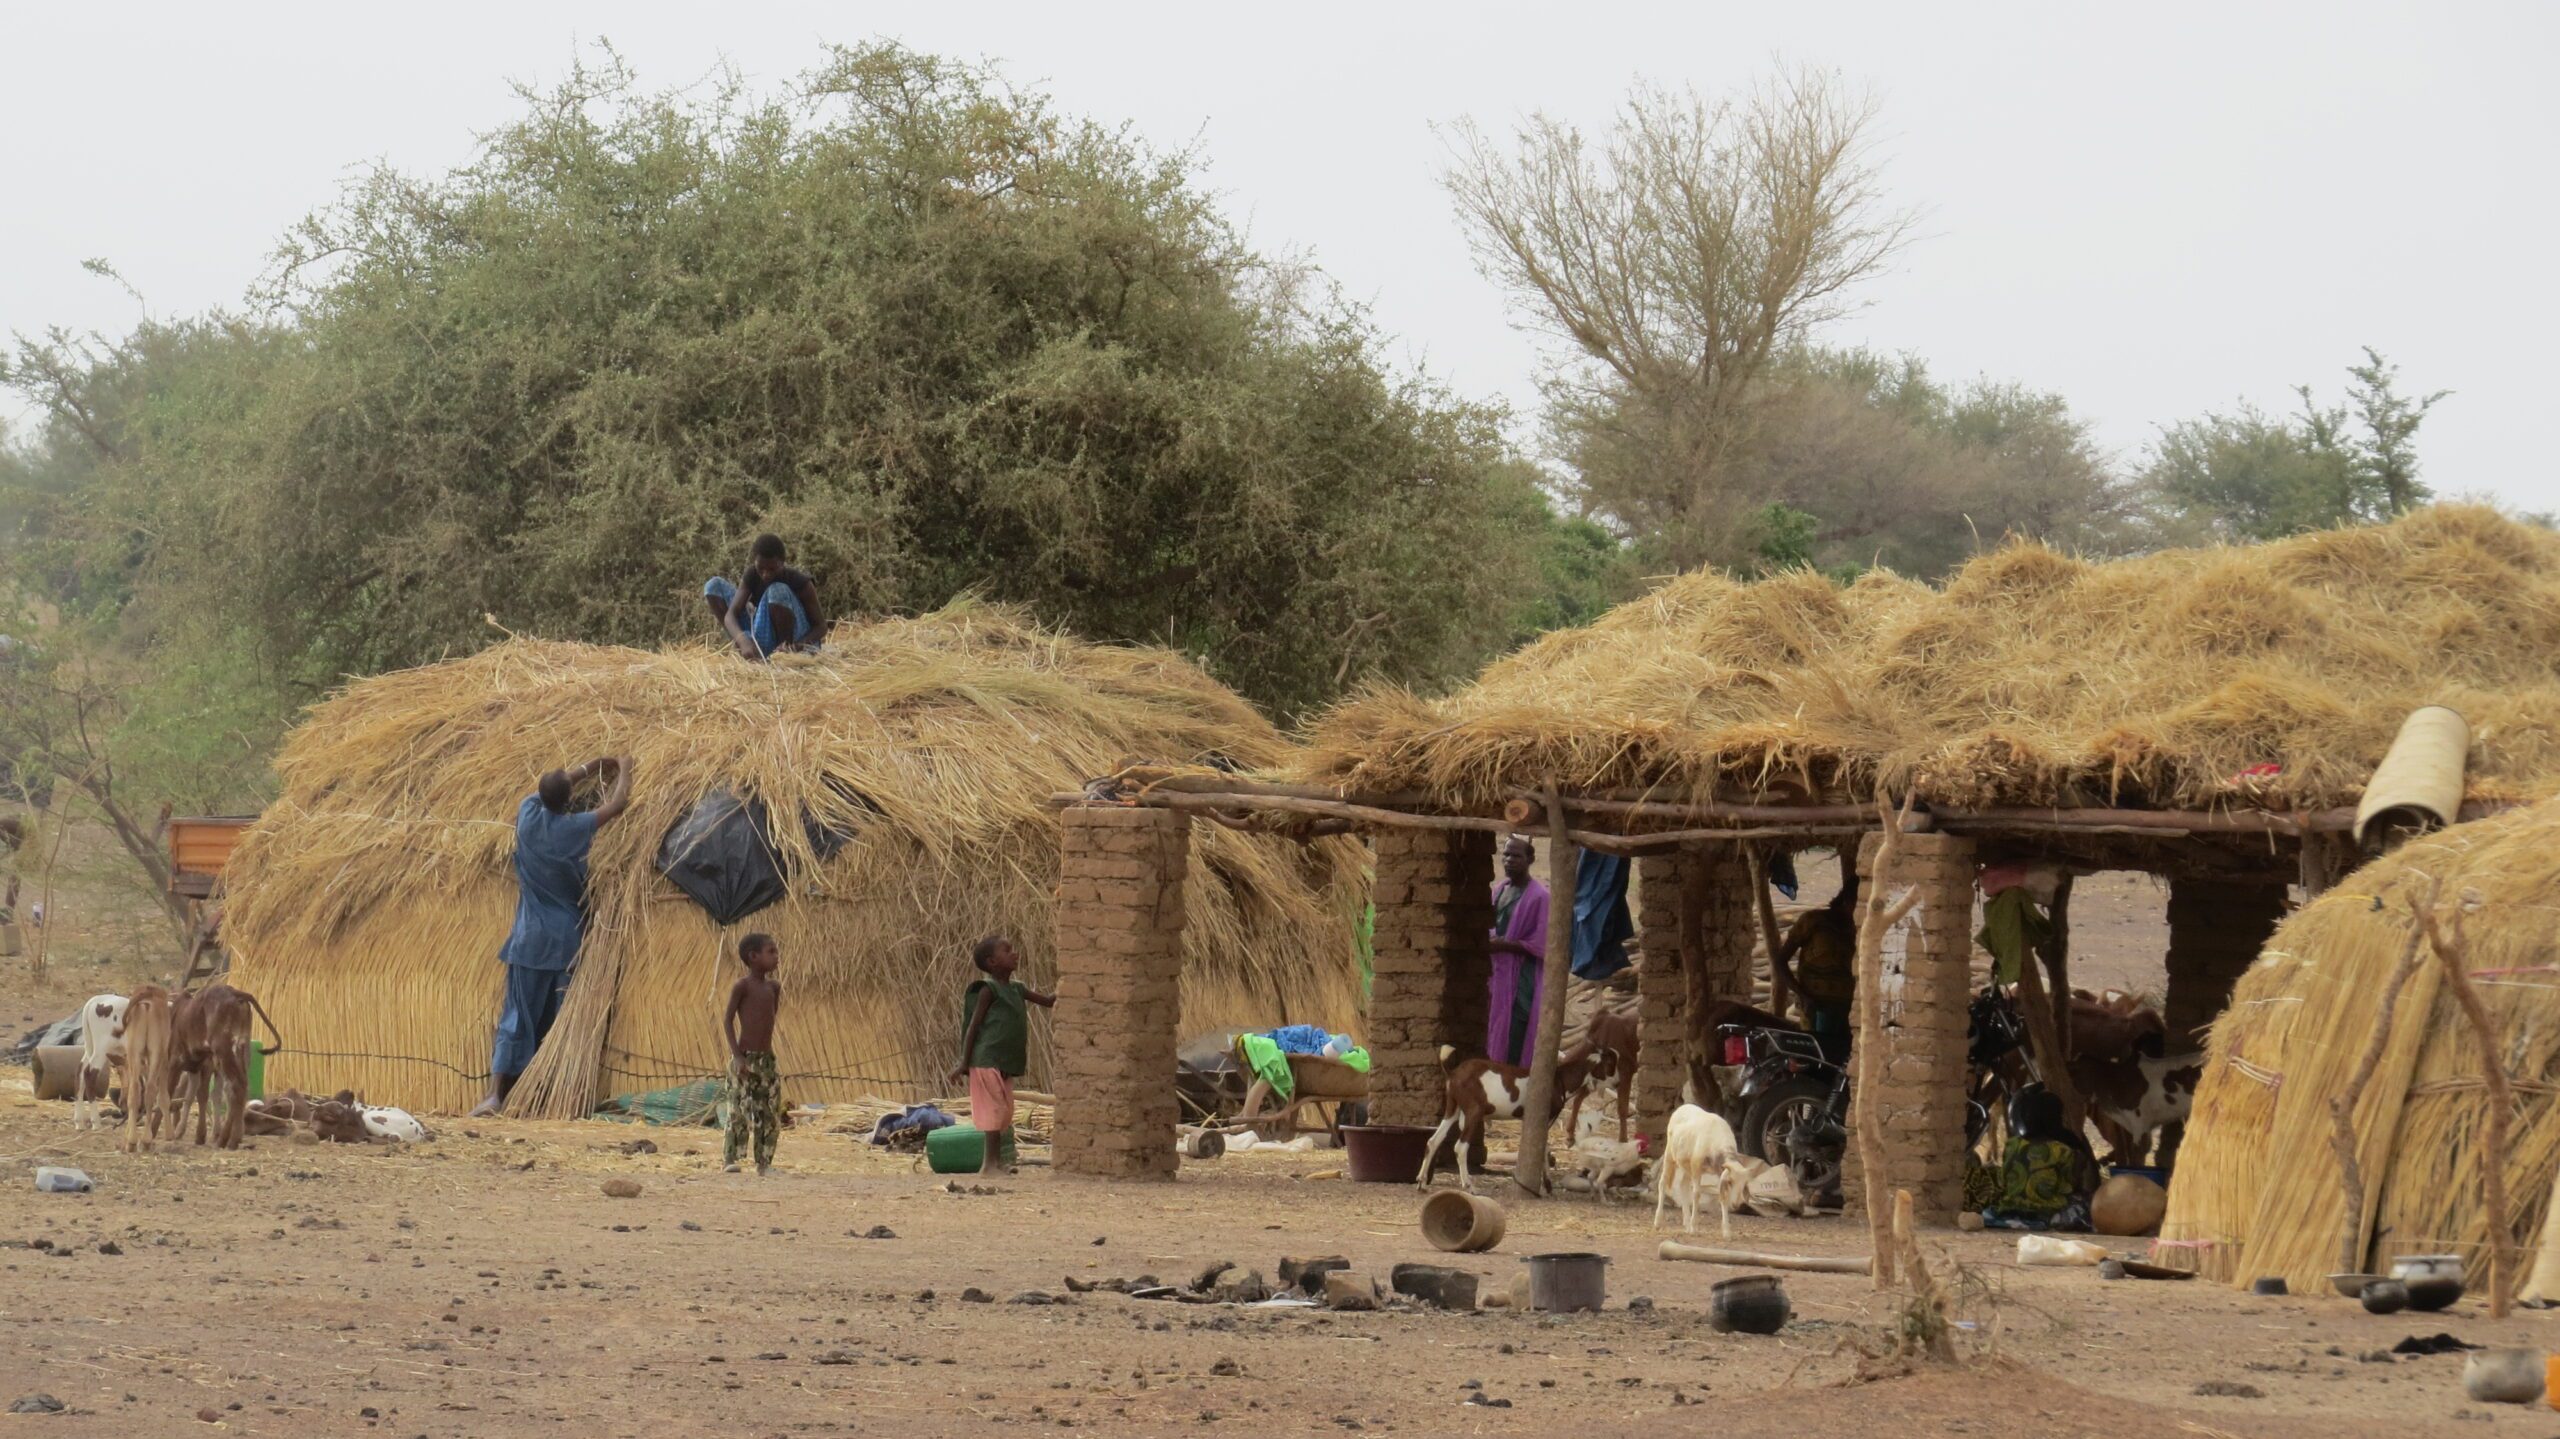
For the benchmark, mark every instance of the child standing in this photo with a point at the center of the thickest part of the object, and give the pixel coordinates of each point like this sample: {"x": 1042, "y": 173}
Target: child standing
{"x": 755, "y": 1088}
{"x": 995, "y": 1042}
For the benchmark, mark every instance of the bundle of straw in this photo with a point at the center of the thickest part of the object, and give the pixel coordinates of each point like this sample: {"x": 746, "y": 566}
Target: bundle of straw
{"x": 369, "y": 902}
{"x": 2030, "y": 678}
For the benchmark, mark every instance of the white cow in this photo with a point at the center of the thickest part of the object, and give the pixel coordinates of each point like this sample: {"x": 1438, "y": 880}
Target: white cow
{"x": 101, "y": 1051}
{"x": 382, "y": 1121}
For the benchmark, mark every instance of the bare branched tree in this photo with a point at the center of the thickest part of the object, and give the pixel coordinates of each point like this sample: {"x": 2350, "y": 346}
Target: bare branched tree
{"x": 1675, "y": 257}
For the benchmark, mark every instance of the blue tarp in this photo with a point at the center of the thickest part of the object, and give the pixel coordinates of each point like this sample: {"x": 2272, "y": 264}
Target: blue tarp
{"x": 1601, "y": 924}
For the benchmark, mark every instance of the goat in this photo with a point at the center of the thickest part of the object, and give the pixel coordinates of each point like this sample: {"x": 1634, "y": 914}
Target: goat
{"x": 147, "y": 1078}
{"x": 101, "y": 1052}
{"x": 1480, "y": 1090}
{"x": 1697, "y": 1144}
{"x": 1608, "y": 1046}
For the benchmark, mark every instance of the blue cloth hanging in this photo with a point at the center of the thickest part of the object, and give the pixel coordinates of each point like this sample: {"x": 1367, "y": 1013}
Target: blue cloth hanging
{"x": 1601, "y": 924}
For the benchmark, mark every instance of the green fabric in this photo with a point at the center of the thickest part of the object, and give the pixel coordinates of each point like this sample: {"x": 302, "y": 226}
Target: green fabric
{"x": 1364, "y": 944}
{"x": 2038, "y": 1176}
{"x": 1268, "y": 1064}
{"x": 2013, "y": 927}
{"x": 694, "y": 1103}
{"x": 1357, "y": 1057}
{"x": 1004, "y": 1041}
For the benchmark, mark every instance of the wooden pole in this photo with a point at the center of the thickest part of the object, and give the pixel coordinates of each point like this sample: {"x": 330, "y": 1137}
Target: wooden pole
{"x": 2057, "y": 962}
{"x": 1880, "y": 917}
{"x": 2452, "y": 953}
{"x": 2342, "y": 1105}
{"x": 2037, "y": 1009}
{"x": 1538, "y": 1106}
{"x": 1779, "y": 990}
{"x": 1758, "y": 1259}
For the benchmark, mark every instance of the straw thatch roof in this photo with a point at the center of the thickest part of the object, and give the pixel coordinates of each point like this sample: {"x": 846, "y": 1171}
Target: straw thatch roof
{"x": 2256, "y": 1191}
{"x": 368, "y": 904}
{"x": 2030, "y": 677}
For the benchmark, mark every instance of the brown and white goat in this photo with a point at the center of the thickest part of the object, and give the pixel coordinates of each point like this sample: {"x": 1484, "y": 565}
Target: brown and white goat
{"x": 1479, "y": 1091}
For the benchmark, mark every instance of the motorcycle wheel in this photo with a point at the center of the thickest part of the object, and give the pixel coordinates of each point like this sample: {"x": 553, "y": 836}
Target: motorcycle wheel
{"x": 1776, "y": 1112}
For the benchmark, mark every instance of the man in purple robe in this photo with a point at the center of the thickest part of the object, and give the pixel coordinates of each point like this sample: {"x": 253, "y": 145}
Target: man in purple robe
{"x": 1519, "y": 956}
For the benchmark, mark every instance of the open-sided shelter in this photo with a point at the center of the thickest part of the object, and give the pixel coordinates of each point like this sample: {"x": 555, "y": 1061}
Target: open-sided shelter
{"x": 2208, "y": 715}
{"x": 886, "y": 804}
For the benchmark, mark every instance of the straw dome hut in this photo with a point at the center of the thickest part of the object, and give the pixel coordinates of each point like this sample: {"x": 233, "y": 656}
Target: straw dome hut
{"x": 918, "y": 758}
{"x": 2257, "y": 1188}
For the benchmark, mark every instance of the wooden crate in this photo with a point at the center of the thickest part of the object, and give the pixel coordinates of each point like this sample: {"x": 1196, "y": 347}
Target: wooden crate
{"x": 199, "y": 846}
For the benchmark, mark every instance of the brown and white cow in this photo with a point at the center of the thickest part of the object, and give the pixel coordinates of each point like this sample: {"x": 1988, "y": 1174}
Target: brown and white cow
{"x": 2131, "y": 1099}
{"x": 101, "y": 1054}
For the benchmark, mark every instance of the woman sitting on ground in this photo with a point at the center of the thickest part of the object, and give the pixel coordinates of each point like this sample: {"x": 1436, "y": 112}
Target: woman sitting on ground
{"x": 2048, "y": 1174}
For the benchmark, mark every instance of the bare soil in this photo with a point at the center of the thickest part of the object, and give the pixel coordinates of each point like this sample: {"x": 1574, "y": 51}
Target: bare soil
{"x": 482, "y": 1285}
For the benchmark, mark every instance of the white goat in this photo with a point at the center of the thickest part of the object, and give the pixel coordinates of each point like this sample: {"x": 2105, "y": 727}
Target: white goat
{"x": 1696, "y": 1146}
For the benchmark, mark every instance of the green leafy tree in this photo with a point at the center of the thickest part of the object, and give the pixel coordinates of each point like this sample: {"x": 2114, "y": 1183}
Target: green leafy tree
{"x": 2247, "y": 475}
{"x": 940, "y": 336}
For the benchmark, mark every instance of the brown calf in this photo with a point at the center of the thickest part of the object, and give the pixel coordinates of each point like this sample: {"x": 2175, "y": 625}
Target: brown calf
{"x": 147, "y": 1078}
{"x": 209, "y": 1039}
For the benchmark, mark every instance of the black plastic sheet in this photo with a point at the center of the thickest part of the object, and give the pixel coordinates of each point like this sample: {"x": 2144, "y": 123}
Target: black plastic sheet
{"x": 723, "y": 855}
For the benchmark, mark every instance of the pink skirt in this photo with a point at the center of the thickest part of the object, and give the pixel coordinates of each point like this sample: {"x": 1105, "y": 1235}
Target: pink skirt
{"x": 990, "y": 1100}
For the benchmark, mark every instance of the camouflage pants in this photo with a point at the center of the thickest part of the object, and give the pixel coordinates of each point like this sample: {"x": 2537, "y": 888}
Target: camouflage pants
{"x": 755, "y": 1107}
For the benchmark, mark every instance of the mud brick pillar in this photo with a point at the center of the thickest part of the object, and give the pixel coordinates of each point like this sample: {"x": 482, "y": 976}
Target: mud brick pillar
{"x": 2216, "y": 928}
{"x": 1435, "y": 906}
{"x": 1918, "y": 1106}
{"x": 1119, "y": 950}
{"x": 1693, "y": 947}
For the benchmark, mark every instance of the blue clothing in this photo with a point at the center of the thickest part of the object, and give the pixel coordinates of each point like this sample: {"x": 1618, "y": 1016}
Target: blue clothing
{"x": 760, "y": 626}
{"x": 1298, "y": 1038}
{"x": 551, "y": 886}
{"x": 1601, "y": 924}
{"x": 532, "y": 1003}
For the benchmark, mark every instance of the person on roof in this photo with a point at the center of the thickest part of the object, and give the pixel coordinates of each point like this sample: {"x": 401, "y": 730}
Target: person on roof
{"x": 769, "y": 608}
{"x": 551, "y": 896}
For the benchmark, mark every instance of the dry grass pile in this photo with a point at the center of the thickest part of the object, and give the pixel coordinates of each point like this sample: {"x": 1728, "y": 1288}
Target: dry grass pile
{"x": 2257, "y": 1188}
{"x": 2029, "y": 678}
{"x": 369, "y": 903}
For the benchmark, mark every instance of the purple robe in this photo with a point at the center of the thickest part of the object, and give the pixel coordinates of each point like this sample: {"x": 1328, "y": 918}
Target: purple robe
{"x": 1516, "y": 979}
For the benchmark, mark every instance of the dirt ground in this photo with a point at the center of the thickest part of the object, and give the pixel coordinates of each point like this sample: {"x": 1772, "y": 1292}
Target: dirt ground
{"x": 482, "y": 1285}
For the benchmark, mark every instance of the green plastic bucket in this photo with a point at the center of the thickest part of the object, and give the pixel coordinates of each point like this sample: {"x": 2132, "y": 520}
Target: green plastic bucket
{"x": 960, "y": 1149}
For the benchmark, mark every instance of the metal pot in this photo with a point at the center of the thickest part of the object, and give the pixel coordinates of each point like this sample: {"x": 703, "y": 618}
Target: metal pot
{"x": 1752, "y": 1304}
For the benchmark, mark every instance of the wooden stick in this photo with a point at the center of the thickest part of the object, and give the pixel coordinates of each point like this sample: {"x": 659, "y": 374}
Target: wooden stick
{"x": 1538, "y": 1106}
{"x": 2452, "y": 952}
{"x": 1881, "y": 917}
{"x": 1779, "y": 990}
{"x": 1761, "y": 1259}
{"x": 2342, "y": 1105}
{"x": 2042, "y": 1034}
{"x": 2057, "y": 962}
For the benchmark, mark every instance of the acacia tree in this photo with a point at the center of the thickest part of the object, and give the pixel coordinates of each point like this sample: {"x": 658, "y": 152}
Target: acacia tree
{"x": 2248, "y": 475}
{"x": 940, "y": 336}
{"x": 1673, "y": 259}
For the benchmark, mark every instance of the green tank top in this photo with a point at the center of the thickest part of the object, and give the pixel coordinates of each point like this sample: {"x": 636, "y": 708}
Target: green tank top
{"x": 1004, "y": 1040}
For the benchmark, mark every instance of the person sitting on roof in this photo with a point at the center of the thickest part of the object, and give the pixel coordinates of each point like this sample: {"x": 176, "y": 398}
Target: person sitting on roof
{"x": 769, "y": 608}
{"x": 551, "y": 897}
{"x": 1823, "y": 947}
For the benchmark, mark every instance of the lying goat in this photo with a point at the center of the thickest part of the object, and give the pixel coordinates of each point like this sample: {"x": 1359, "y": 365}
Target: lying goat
{"x": 1481, "y": 1091}
{"x": 1696, "y": 1146}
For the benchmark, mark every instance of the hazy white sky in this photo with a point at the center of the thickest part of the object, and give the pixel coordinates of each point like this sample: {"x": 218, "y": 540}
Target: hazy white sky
{"x": 2153, "y": 209}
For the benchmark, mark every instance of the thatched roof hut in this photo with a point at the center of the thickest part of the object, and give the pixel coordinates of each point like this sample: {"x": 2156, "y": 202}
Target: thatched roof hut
{"x": 2257, "y": 1189}
{"x": 368, "y": 904}
{"x": 2029, "y": 679}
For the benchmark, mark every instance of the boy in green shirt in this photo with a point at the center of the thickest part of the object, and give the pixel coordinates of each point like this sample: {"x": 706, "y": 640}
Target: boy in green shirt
{"x": 995, "y": 1042}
